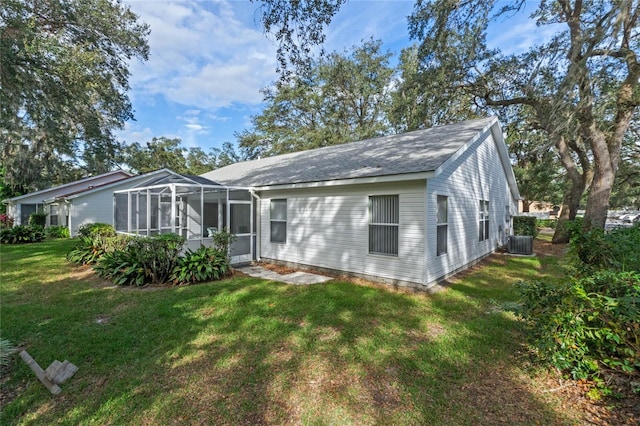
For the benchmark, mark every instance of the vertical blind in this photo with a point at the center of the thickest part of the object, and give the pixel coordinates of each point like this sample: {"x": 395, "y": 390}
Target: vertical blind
{"x": 384, "y": 217}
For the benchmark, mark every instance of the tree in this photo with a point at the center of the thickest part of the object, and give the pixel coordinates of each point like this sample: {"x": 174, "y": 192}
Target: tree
{"x": 535, "y": 165}
{"x": 159, "y": 153}
{"x": 343, "y": 97}
{"x": 582, "y": 84}
{"x": 413, "y": 104}
{"x": 298, "y": 27}
{"x": 63, "y": 83}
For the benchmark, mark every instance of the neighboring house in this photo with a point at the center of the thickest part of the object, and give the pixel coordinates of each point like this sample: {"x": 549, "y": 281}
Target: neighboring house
{"x": 409, "y": 209}
{"x": 540, "y": 209}
{"x": 88, "y": 200}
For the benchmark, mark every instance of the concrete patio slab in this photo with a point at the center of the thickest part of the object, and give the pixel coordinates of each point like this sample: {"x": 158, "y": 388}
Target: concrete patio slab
{"x": 298, "y": 278}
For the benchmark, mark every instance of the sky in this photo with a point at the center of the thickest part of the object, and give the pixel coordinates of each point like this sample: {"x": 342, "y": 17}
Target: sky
{"x": 209, "y": 59}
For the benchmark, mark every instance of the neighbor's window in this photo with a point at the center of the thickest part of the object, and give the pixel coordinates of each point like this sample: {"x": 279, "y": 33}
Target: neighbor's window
{"x": 384, "y": 215}
{"x": 484, "y": 220}
{"x": 442, "y": 225}
{"x": 278, "y": 211}
{"x": 53, "y": 214}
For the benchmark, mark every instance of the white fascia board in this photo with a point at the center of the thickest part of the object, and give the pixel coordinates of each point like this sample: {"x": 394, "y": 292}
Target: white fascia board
{"x": 352, "y": 181}
{"x": 501, "y": 145}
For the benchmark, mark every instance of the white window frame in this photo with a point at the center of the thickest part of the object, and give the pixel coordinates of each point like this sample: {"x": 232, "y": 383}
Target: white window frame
{"x": 483, "y": 220}
{"x": 442, "y": 223}
{"x": 56, "y": 215}
{"x": 390, "y": 225}
{"x": 273, "y": 221}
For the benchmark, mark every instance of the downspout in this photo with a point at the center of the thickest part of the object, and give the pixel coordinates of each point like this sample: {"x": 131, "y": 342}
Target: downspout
{"x": 257, "y": 224}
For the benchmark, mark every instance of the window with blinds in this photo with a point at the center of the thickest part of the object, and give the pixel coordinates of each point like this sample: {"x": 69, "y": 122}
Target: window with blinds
{"x": 483, "y": 227}
{"x": 442, "y": 225}
{"x": 384, "y": 219}
{"x": 278, "y": 218}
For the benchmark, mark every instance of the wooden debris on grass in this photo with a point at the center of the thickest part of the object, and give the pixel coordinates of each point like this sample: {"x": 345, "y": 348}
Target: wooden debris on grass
{"x": 56, "y": 374}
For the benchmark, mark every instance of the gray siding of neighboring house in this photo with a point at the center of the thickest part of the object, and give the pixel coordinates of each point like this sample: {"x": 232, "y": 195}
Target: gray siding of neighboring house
{"x": 475, "y": 175}
{"x": 329, "y": 228}
{"x": 39, "y": 197}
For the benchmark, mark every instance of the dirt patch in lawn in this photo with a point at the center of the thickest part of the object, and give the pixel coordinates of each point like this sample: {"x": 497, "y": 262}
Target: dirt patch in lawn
{"x": 546, "y": 248}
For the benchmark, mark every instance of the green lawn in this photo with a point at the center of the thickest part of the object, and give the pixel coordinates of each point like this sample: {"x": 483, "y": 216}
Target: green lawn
{"x": 246, "y": 351}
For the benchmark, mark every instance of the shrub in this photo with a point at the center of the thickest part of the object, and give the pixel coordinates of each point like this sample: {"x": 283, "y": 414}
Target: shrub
{"x": 595, "y": 250}
{"x": 55, "y": 231}
{"x": 204, "y": 264}
{"x": 6, "y": 221}
{"x": 525, "y": 225}
{"x": 158, "y": 255}
{"x": 89, "y": 250}
{"x": 546, "y": 223}
{"x": 143, "y": 260}
{"x": 122, "y": 267}
{"x": 38, "y": 218}
{"x": 22, "y": 234}
{"x": 97, "y": 230}
{"x": 587, "y": 323}
{"x": 222, "y": 241}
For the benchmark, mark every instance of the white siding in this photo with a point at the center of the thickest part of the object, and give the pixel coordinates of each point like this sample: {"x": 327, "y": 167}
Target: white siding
{"x": 328, "y": 228}
{"x": 475, "y": 175}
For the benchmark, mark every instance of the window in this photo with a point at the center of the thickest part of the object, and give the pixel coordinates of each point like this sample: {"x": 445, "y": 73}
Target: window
{"x": 384, "y": 214}
{"x": 53, "y": 214}
{"x": 483, "y": 226}
{"x": 278, "y": 211}
{"x": 442, "y": 225}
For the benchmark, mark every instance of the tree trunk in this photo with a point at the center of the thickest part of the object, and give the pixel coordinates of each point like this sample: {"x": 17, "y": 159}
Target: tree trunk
{"x": 570, "y": 205}
{"x": 525, "y": 206}
{"x": 595, "y": 215}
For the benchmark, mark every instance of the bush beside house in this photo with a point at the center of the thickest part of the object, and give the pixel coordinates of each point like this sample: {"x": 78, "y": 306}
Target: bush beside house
{"x": 128, "y": 260}
{"x": 589, "y": 324}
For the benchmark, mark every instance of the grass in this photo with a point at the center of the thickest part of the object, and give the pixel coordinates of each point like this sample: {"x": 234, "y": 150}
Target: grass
{"x": 247, "y": 351}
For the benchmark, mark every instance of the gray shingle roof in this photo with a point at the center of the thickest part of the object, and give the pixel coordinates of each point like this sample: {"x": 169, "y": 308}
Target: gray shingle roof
{"x": 413, "y": 152}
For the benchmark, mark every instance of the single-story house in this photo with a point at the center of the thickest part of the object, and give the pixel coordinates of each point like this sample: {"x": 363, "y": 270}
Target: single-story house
{"x": 88, "y": 200}
{"x": 409, "y": 209}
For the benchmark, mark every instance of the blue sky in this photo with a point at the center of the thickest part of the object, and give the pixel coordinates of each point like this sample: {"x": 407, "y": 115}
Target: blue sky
{"x": 209, "y": 60}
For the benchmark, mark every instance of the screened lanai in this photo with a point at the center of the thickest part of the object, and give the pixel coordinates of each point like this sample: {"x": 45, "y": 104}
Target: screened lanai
{"x": 191, "y": 206}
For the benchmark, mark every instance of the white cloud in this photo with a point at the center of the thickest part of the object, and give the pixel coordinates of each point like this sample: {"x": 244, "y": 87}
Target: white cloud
{"x": 202, "y": 55}
{"x": 132, "y": 133}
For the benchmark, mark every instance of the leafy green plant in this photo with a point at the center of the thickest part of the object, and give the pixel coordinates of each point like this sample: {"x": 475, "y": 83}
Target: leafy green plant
{"x": 586, "y": 323}
{"x": 546, "y": 223}
{"x": 89, "y": 250}
{"x": 139, "y": 261}
{"x": 56, "y": 231}
{"x": 6, "y": 350}
{"x": 22, "y": 234}
{"x": 617, "y": 250}
{"x": 97, "y": 230}
{"x": 38, "y": 218}
{"x": 122, "y": 268}
{"x": 158, "y": 255}
{"x": 525, "y": 225}
{"x": 222, "y": 241}
{"x": 203, "y": 264}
